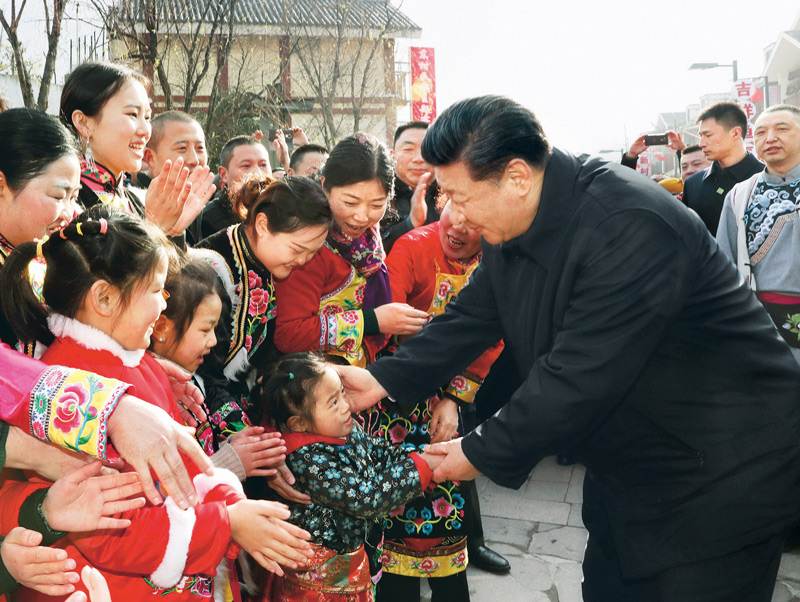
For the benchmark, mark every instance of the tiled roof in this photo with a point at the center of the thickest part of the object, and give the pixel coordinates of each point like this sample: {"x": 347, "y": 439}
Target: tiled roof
{"x": 298, "y": 13}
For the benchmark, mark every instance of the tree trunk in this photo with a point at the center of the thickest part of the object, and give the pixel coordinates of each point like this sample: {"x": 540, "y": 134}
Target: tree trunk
{"x": 53, "y": 36}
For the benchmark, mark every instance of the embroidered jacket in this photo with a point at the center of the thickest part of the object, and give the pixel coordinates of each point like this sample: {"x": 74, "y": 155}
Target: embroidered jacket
{"x": 351, "y": 482}
{"x": 244, "y": 332}
{"x": 99, "y": 185}
{"x": 165, "y": 551}
{"x": 425, "y": 278}
{"x": 320, "y": 309}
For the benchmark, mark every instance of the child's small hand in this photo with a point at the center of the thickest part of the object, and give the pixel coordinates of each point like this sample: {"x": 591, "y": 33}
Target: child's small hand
{"x": 260, "y": 528}
{"x": 47, "y": 570}
{"x": 258, "y": 450}
{"x": 433, "y": 460}
{"x": 95, "y": 583}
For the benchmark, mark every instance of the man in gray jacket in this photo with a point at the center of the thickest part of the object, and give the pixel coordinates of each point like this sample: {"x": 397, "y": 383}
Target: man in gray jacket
{"x": 759, "y": 228}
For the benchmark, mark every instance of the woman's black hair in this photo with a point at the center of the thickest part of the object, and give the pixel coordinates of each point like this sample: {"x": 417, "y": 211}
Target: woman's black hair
{"x": 290, "y": 204}
{"x": 77, "y": 257}
{"x": 288, "y": 390}
{"x": 359, "y": 158}
{"x": 193, "y": 282}
{"x": 31, "y": 142}
{"x": 89, "y": 87}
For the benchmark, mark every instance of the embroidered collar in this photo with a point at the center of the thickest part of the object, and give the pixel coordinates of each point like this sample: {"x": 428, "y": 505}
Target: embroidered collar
{"x": 96, "y": 172}
{"x": 792, "y": 176}
{"x": 92, "y": 338}
{"x": 295, "y": 441}
{"x": 5, "y": 249}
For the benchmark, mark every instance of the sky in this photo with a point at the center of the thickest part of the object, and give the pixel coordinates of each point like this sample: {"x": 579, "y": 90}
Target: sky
{"x": 595, "y": 73}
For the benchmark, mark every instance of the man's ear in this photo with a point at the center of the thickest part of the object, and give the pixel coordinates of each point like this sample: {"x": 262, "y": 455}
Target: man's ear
{"x": 520, "y": 176}
{"x": 223, "y": 176}
{"x": 104, "y": 298}
{"x": 162, "y": 329}
{"x": 297, "y": 424}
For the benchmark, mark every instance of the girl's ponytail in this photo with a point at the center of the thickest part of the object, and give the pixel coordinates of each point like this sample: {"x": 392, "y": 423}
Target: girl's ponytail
{"x": 22, "y": 309}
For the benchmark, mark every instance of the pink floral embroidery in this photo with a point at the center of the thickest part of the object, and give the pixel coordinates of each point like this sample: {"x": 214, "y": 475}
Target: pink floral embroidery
{"x": 68, "y": 414}
{"x": 38, "y": 430}
{"x": 442, "y": 508}
{"x": 427, "y": 565}
{"x": 254, "y": 279}
{"x": 398, "y": 511}
{"x": 398, "y": 433}
{"x": 444, "y": 288}
{"x": 248, "y": 342}
{"x": 259, "y": 302}
{"x": 459, "y": 384}
{"x": 358, "y": 294}
{"x": 350, "y": 317}
{"x": 331, "y": 310}
{"x": 53, "y": 377}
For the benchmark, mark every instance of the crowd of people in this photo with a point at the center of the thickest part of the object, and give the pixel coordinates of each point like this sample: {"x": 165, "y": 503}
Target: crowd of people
{"x": 333, "y": 329}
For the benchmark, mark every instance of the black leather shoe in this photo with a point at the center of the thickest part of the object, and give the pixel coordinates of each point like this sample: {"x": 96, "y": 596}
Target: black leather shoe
{"x": 488, "y": 560}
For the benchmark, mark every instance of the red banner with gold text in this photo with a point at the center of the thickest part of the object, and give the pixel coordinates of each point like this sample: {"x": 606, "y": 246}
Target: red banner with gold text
{"x": 423, "y": 85}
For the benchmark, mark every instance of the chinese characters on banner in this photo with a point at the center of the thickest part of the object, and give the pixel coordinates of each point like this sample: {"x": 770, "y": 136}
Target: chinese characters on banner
{"x": 423, "y": 85}
{"x": 747, "y": 94}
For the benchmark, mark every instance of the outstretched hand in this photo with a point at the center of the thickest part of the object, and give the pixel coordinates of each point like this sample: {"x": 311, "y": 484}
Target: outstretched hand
{"x": 46, "y": 570}
{"x": 189, "y": 397}
{"x": 261, "y": 529}
{"x": 167, "y": 195}
{"x": 147, "y": 438}
{"x": 95, "y": 583}
{"x": 83, "y": 501}
{"x": 202, "y": 189}
{"x": 281, "y": 482}
{"x": 454, "y": 465}
{"x": 259, "y": 452}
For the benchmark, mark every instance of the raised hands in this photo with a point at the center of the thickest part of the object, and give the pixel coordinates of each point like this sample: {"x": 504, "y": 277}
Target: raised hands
{"x": 400, "y": 318}
{"x": 259, "y": 452}
{"x": 202, "y": 189}
{"x": 261, "y": 529}
{"x": 167, "y": 195}
{"x": 418, "y": 213}
{"x": 281, "y": 148}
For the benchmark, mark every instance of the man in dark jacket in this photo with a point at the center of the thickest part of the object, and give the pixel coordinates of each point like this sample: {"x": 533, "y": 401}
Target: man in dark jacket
{"x": 641, "y": 351}
{"x": 723, "y": 127}
{"x": 407, "y": 210}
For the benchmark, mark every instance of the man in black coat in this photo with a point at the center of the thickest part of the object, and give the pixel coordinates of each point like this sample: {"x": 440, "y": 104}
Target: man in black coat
{"x": 641, "y": 351}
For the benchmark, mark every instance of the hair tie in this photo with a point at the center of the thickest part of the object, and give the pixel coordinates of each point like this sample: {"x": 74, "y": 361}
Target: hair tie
{"x": 103, "y": 225}
{"x": 362, "y": 139}
{"x": 78, "y": 228}
{"x": 39, "y": 246}
{"x": 291, "y": 376}
{"x": 61, "y": 232}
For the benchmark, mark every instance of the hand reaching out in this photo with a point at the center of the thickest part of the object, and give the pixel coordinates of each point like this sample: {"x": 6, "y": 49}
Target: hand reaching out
{"x": 259, "y": 452}
{"x": 400, "y": 318}
{"x": 443, "y": 424}
{"x": 299, "y": 137}
{"x": 83, "y": 501}
{"x": 188, "y": 396}
{"x": 95, "y": 583}
{"x": 363, "y": 390}
{"x": 418, "y": 213}
{"x": 281, "y": 148}
{"x": 281, "y": 482}
{"x": 261, "y": 529}
{"x": 47, "y": 570}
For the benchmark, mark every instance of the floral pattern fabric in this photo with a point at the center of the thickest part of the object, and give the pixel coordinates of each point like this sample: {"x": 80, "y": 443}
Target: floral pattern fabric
{"x": 71, "y": 409}
{"x": 350, "y": 485}
{"x": 342, "y": 321}
{"x": 328, "y": 577}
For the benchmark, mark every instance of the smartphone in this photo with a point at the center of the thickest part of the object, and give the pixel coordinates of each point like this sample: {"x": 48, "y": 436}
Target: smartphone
{"x": 287, "y": 134}
{"x": 656, "y": 140}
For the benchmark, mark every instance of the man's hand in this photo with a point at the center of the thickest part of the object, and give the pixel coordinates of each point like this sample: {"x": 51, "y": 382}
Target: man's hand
{"x": 147, "y": 438}
{"x": 188, "y": 396}
{"x": 363, "y": 391}
{"x": 281, "y": 148}
{"x": 259, "y": 527}
{"x": 299, "y": 137}
{"x": 400, "y": 318}
{"x": 281, "y": 482}
{"x": 259, "y": 452}
{"x": 419, "y": 208}
{"x": 443, "y": 424}
{"x": 83, "y": 501}
{"x": 46, "y": 459}
{"x": 47, "y": 570}
{"x": 454, "y": 466}
{"x": 676, "y": 143}
{"x": 637, "y": 148}
{"x": 167, "y": 195}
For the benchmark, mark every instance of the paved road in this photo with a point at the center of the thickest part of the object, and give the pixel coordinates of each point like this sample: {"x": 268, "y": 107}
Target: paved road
{"x": 539, "y": 529}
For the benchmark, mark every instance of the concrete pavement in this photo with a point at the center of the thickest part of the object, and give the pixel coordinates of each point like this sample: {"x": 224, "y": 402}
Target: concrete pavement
{"x": 539, "y": 529}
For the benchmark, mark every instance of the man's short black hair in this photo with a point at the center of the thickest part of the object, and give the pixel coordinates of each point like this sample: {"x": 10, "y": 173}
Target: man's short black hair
{"x": 411, "y": 125}
{"x": 302, "y": 151}
{"x": 486, "y": 133}
{"x": 161, "y": 120}
{"x": 726, "y": 113}
{"x": 691, "y": 149}
{"x": 227, "y": 151}
{"x": 795, "y": 111}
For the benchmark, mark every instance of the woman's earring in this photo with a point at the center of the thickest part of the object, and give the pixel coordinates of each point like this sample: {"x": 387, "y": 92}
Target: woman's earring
{"x": 87, "y": 154}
